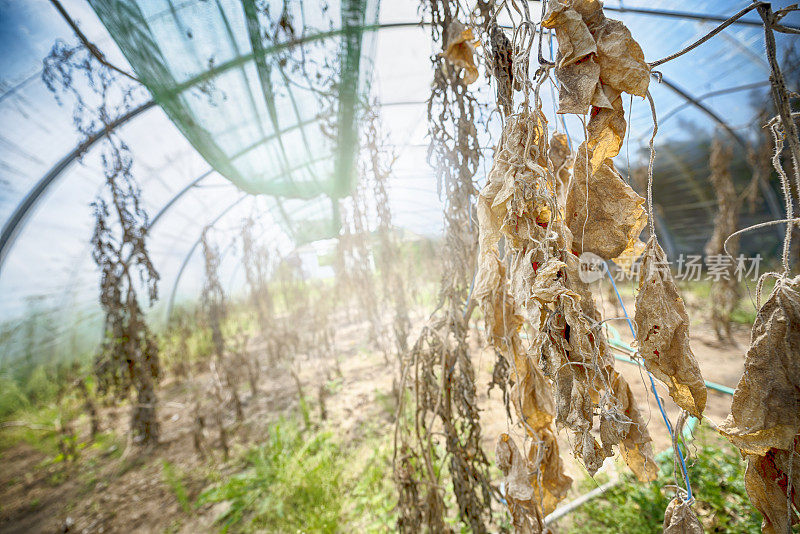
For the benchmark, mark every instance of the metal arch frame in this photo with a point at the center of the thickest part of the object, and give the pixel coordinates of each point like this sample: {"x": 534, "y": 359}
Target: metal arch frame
{"x": 20, "y": 214}
{"x": 769, "y": 195}
{"x": 12, "y": 225}
{"x": 193, "y": 183}
{"x": 719, "y": 92}
{"x": 686, "y": 15}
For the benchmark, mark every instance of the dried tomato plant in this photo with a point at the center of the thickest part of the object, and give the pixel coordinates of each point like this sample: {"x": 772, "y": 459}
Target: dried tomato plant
{"x": 764, "y": 422}
{"x": 725, "y": 293}
{"x": 379, "y": 167}
{"x": 438, "y": 433}
{"x": 128, "y": 357}
{"x": 256, "y": 259}
{"x": 563, "y": 375}
{"x": 214, "y": 305}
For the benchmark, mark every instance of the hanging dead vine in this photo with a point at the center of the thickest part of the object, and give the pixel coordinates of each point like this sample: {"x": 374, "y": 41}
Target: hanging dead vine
{"x": 725, "y": 292}
{"x": 128, "y": 358}
{"x": 564, "y": 376}
{"x": 379, "y": 168}
{"x": 356, "y": 277}
{"x": 438, "y": 371}
{"x": 764, "y": 422}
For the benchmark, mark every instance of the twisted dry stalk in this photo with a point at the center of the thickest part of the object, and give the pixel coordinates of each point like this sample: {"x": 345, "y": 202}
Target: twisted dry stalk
{"x": 764, "y": 422}
{"x": 725, "y": 292}
{"x": 438, "y": 372}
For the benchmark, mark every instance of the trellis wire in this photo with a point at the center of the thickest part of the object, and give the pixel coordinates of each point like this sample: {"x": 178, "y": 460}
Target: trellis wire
{"x": 653, "y": 388}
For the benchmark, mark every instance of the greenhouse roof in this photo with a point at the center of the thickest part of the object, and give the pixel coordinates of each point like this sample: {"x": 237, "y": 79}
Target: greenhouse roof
{"x": 228, "y": 128}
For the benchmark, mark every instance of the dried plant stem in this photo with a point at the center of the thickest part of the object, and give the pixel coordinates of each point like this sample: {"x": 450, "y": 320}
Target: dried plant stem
{"x": 91, "y": 47}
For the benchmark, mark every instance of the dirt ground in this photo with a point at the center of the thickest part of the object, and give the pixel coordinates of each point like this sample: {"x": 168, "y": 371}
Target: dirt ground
{"x": 106, "y": 492}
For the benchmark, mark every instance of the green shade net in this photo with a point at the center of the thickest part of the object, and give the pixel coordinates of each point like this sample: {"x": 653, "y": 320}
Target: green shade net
{"x": 268, "y": 95}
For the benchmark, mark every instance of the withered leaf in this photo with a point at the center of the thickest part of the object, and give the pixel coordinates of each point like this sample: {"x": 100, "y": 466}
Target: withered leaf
{"x": 548, "y": 479}
{"x": 662, "y": 332}
{"x": 605, "y": 132}
{"x": 525, "y": 512}
{"x": 574, "y": 39}
{"x": 610, "y": 224}
{"x": 621, "y": 59}
{"x": 765, "y": 412}
{"x": 533, "y": 485}
{"x": 579, "y": 83}
{"x": 679, "y": 518}
{"x": 587, "y": 38}
{"x": 535, "y": 399}
{"x": 768, "y": 480}
{"x": 460, "y": 50}
{"x": 636, "y": 447}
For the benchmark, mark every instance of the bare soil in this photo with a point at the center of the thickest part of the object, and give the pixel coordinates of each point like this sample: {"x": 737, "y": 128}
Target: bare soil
{"x": 106, "y": 492}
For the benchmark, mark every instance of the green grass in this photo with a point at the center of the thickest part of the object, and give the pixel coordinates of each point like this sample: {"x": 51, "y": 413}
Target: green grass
{"x": 12, "y": 398}
{"x": 307, "y": 482}
{"x": 174, "y": 481}
{"x": 744, "y": 313}
{"x": 717, "y": 475}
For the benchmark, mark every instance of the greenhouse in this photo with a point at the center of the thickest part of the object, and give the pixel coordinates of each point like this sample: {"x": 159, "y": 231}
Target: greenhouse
{"x": 403, "y": 265}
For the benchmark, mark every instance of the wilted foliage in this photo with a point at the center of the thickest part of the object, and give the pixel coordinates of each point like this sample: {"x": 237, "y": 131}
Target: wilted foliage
{"x": 128, "y": 358}
{"x": 438, "y": 370}
{"x": 725, "y": 292}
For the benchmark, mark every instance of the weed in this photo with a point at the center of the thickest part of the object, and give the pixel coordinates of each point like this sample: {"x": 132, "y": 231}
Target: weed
{"x": 305, "y": 481}
{"x": 174, "y": 481}
{"x": 717, "y": 480}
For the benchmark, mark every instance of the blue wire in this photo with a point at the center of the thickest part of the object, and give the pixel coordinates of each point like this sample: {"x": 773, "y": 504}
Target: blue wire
{"x": 655, "y": 393}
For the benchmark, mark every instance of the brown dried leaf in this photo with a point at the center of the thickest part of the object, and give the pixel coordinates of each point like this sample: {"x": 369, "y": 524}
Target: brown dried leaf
{"x": 549, "y": 481}
{"x": 574, "y": 39}
{"x": 621, "y": 59}
{"x": 580, "y": 82}
{"x": 460, "y": 50}
{"x": 635, "y": 446}
{"x": 679, "y": 518}
{"x": 767, "y": 482}
{"x": 611, "y": 223}
{"x": 591, "y": 11}
{"x": 525, "y": 512}
{"x": 662, "y": 333}
{"x": 597, "y": 58}
{"x": 533, "y": 485}
{"x": 534, "y": 398}
{"x": 765, "y": 412}
{"x": 605, "y": 132}
{"x": 548, "y": 284}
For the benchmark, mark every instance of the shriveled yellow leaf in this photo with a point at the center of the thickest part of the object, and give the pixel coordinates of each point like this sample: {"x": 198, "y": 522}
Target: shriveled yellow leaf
{"x": 621, "y": 59}
{"x": 604, "y": 213}
{"x": 460, "y": 50}
{"x": 765, "y": 412}
{"x": 579, "y": 82}
{"x": 605, "y": 133}
{"x": 662, "y": 333}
